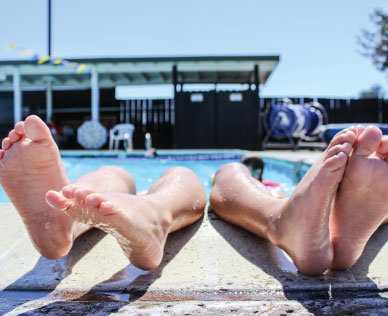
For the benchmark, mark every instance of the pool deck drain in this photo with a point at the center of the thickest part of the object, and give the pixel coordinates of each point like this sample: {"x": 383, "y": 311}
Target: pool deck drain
{"x": 210, "y": 267}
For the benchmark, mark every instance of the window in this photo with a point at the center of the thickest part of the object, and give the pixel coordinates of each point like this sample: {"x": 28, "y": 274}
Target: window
{"x": 235, "y": 97}
{"x": 196, "y": 97}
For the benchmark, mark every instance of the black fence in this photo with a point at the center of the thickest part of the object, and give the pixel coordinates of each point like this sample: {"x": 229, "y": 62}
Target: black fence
{"x": 212, "y": 119}
{"x": 149, "y": 116}
{"x": 72, "y": 108}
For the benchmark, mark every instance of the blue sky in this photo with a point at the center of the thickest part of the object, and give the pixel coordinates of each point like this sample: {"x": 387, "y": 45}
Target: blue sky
{"x": 316, "y": 40}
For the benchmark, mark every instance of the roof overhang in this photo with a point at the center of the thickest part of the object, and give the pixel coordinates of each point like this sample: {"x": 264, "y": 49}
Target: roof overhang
{"x": 138, "y": 71}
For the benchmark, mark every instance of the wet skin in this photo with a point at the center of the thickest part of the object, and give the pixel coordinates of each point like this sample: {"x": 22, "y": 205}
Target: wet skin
{"x": 337, "y": 189}
{"x": 31, "y": 171}
{"x": 299, "y": 224}
{"x": 361, "y": 204}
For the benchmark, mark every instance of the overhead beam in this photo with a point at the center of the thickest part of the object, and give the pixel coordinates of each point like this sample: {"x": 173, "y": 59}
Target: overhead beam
{"x": 145, "y": 76}
{"x": 77, "y": 78}
{"x": 128, "y": 77}
{"x": 163, "y": 76}
{"x": 28, "y": 80}
{"x": 58, "y": 80}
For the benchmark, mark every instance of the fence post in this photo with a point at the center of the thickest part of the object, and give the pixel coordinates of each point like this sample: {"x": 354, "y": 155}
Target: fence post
{"x": 380, "y": 110}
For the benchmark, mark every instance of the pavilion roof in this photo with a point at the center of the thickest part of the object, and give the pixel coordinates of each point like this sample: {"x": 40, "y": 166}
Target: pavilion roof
{"x": 121, "y": 71}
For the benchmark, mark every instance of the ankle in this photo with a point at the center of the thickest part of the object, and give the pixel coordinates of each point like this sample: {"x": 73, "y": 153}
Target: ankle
{"x": 162, "y": 211}
{"x": 275, "y": 223}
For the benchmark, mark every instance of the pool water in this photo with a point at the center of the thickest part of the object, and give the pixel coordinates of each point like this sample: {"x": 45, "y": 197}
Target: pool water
{"x": 148, "y": 171}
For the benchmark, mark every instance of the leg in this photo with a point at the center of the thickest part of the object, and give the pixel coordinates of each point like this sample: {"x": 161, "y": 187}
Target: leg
{"x": 360, "y": 206}
{"x": 299, "y": 224}
{"x": 140, "y": 223}
{"x": 30, "y": 165}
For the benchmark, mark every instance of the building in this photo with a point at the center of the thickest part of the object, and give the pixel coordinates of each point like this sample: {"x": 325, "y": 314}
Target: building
{"x": 83, "y": 89}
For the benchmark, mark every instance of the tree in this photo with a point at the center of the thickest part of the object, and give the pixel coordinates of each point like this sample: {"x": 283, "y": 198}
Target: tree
{"x": 375, "y": 42}
{"x": 374, "y": 92}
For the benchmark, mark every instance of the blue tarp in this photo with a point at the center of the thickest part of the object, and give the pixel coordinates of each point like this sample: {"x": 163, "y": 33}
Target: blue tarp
{"x": 332, "y": 129}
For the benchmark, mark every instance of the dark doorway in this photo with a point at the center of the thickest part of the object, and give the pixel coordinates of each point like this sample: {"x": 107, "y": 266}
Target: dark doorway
{"x": 216, "y": 119}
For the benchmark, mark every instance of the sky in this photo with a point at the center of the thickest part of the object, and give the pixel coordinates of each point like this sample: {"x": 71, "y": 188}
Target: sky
{"x": 315, "y": 39}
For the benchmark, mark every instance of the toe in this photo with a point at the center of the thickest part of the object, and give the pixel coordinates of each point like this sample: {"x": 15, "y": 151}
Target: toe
{"x": 57, "y": 200}
{"x": 382, "y": 151}
{"x": 346, "y": 136}
{"x": 13, "y": 136}
{"x": 359, "y": 129}
{"x": 19, "y": 128}
{"x": 368, "y": 141}
{"x": 107, "y": 208}
{"x": 1, "y": 154}
{"x": 346, "y": 148}
{"x": 68, "y": 190}
{"x": 81, "y": 194}
{"x": 36, "y": 129}
{"x": 94, "y": 200}
{"x": 6, "y": 143}
{"x": 336, "y": 161}
{"x": 104, "y": 207}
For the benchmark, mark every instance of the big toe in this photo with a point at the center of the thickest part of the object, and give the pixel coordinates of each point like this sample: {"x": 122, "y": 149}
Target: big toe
{"x": 368, "y": 141}
{"x": 57, "y": 200}
{"x": 36, "y": 129}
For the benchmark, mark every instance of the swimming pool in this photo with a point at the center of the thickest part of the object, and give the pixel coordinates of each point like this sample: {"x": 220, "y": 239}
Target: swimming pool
{"x": 147, "y": 171}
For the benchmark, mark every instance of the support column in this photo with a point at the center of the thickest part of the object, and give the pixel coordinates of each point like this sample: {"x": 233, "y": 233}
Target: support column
{"x": 175, "y": 103}
{"x": 380, "y": 110}
{"x": 49, "y": 101}
{"x": 257, "y": 103}
{"x": 95, "y": 96}
{"x": 17, "y": 97}
{"x": 175, "y": 79}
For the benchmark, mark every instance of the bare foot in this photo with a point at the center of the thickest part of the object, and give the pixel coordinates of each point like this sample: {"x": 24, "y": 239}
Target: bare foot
{"x": 301, "y": 227}
{"x": 30, "y": 165}
{"x": 136, "y": 222}
{"x": 361, "y": 204}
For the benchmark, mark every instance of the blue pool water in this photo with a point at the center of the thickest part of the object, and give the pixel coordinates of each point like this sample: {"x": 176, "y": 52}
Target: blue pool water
{"x": 147, "y": 171}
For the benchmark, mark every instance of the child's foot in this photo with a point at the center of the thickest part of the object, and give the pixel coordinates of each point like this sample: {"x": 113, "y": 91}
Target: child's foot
{"x": 361, "y": 204}
{"x": 301, "y": 228}
{"x": 30, "y": 165}
{"x": 135, "y": 221}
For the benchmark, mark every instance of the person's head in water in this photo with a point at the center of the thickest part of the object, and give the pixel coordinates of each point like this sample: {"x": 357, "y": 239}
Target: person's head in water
{"x": 255, "y": 166}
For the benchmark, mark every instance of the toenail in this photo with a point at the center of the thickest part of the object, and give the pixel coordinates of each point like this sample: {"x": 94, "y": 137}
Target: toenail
{"x": 106, "y": 204}
{"x": 80, "y": 191}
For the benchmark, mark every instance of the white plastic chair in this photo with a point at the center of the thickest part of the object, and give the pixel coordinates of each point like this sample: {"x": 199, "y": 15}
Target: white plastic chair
{"x": 122, "y": 132}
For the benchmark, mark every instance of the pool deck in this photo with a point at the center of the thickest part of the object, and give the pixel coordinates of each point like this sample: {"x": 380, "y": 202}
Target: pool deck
{"x": 210, "y": 267}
